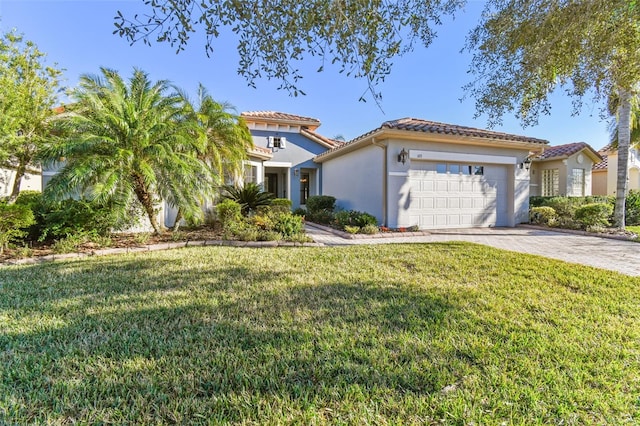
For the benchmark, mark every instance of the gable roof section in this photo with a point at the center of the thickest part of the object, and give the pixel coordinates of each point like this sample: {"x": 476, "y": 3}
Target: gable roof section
{"x": 567, "y": 150}
{"x": 602, "y": 165}
{"x": 260, "y": 152}
{"x": 281, "y": 118}
{"x": 322, "y": 140}
{"x": 415, "y": 127}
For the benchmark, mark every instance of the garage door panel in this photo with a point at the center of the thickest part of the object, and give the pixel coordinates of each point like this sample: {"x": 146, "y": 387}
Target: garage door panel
{"x": 456, "y": 200}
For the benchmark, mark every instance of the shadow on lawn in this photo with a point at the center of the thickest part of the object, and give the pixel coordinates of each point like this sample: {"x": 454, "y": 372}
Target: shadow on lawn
{"x": 244, "y": 332}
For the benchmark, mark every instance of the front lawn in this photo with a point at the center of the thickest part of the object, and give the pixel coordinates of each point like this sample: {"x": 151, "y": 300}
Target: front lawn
{"x": 449, "y": 333}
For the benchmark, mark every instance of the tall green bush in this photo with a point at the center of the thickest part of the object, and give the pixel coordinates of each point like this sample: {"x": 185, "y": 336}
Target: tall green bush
{"x": 320, "y": 208}
{"x": 632, "y": 208}
{"x": 14, "y": 219}
{"x": 316, "y": 203}
{"x": 229, "y": 212}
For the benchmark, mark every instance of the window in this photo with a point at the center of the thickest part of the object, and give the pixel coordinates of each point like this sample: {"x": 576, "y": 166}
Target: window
{"x": 577, "y": 182}
{"x": 550, "y": 182}
{"x": 276, "y": 142}
{"x": 250, "y": 174}
{"x": 465, "y": 169}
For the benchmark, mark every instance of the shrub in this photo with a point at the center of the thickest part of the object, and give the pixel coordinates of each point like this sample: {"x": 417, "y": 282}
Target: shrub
{"x": 229, "y": 212}
{"x": 262, "y": 221}
{"x": 281, "y": 205}
{"x": 352, "y": 229}
{"x": 269, "y": 236}
{"x": 369, "y": 229}
{"x": 317, "y": 203}
{"x": 354, "y": 218}
{"x": 13, "y": 219}
{"x": 70, "y": 217}
{"x": 288, "y": 224}
{"x": 324, "y": 217}
{"x": 250, "y": 196}
{"x": 632, "y": 208}
{"x": 543, "y": 216}
{"x": 299, "y": 212}
{"x": 594, "y": 215}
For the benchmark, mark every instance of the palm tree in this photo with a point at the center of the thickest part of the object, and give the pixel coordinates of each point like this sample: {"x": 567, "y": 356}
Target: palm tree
{"x": 129, "y": 142}
{"x": 227, "y": 137}
{"x": 624, "y": 106}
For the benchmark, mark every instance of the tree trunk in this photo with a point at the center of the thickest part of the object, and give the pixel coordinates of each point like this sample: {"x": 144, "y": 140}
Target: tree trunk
{"x": 15, "y": 191}
{"x": 146, "y": 200}
{"x": 176, "y": 224}
{"x": 624, "y": 136}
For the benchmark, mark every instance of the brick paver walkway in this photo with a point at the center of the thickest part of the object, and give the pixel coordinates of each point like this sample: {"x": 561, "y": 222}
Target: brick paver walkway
{"x": 615, "y": 255}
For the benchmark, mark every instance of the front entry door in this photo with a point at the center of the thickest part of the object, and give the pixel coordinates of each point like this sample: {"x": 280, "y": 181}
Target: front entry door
{"x": 271, "y": 183}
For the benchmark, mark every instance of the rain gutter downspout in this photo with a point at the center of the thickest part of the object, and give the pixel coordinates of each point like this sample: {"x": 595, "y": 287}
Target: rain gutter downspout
{"x": 384, "y": 179}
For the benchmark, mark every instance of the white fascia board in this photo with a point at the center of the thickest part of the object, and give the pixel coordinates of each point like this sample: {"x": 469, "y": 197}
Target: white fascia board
{"x": 417, "y": 154}
{"x": 277, "y": 164}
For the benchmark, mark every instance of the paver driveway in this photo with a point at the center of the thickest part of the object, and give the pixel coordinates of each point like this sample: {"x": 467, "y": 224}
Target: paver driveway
{"x": 605, "y": 253}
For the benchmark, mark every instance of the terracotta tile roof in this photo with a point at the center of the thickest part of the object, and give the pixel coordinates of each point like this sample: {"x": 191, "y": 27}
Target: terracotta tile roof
{"x": 606, "y": 149}
{"x": 280, "y": 116}
{"x": 426, "y": 126}
{"x": 603, "y": 165}
{"x": 563, "y": 151}
{"x": 328, "y": 142}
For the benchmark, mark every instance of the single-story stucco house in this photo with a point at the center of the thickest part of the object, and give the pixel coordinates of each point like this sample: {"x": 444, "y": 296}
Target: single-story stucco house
{"x": 564, "y": 170}
{"x": 413, "y": 172}
{"x": 605, "y": 173}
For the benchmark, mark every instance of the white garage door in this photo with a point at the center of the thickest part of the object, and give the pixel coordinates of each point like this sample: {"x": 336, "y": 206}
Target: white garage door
{"x": 449, "y": 195}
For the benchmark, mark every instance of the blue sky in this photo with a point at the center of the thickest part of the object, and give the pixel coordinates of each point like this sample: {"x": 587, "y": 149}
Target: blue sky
{"x": 77, "y": 35}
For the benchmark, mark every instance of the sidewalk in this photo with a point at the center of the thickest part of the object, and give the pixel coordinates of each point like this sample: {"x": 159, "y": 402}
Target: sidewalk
{"x": 614, "y": 255}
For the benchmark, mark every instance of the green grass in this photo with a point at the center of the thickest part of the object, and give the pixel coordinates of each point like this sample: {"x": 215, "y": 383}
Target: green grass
{"x": 396, "y": 334}
{"x": 634, "y": 229}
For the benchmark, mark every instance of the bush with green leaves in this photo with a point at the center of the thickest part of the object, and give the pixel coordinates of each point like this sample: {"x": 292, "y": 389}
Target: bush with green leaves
{"x": 369, "y": 229}
{"x": 543, "y": 215}
{"x": 632, "y": 208}
{"x": 250, "y": 196}
{"x": 229, "y": 212}
{"x": 14, "y": 218}
{"x": 288, "y": 224}
{"x": 345, "y": 218}
{"x": 282, "y": 205}
{"x": 77, "y": 217}
{"x": 320, "y": 209}
{"x": 594, "y": 215}
{"x": 299, "y": 212}
{"x": 316, "y": 203}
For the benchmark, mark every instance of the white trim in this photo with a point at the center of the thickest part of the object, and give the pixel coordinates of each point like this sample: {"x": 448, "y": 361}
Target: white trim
{"x": 401, "y": 174}
{"x": 417, "y": 154}
{"x": 277, "y": 164}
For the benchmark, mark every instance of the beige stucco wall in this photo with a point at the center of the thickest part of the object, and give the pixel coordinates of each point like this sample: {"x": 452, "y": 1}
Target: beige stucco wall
{"x": 598, "y": 182}
{"x": 565, "y": 169}
{"x": 612, "y": 171}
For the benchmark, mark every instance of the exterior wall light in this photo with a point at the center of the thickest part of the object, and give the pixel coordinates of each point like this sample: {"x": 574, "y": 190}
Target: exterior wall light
{"x": 403, "y": 156}
{"x": 526, "y": 164}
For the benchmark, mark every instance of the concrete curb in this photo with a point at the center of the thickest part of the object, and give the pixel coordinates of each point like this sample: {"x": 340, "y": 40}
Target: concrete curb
{"x": 578, "y": 232}
{"x": 348, "y": 236}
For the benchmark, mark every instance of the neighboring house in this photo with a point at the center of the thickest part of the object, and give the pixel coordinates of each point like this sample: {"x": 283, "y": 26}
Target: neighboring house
{"x": 292, "y": 142}
{"x": 605, "y": 173}
{"x": 413, "y": 172}
{"x": 564, "y": 170}
{"x": 30, "y": 182}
